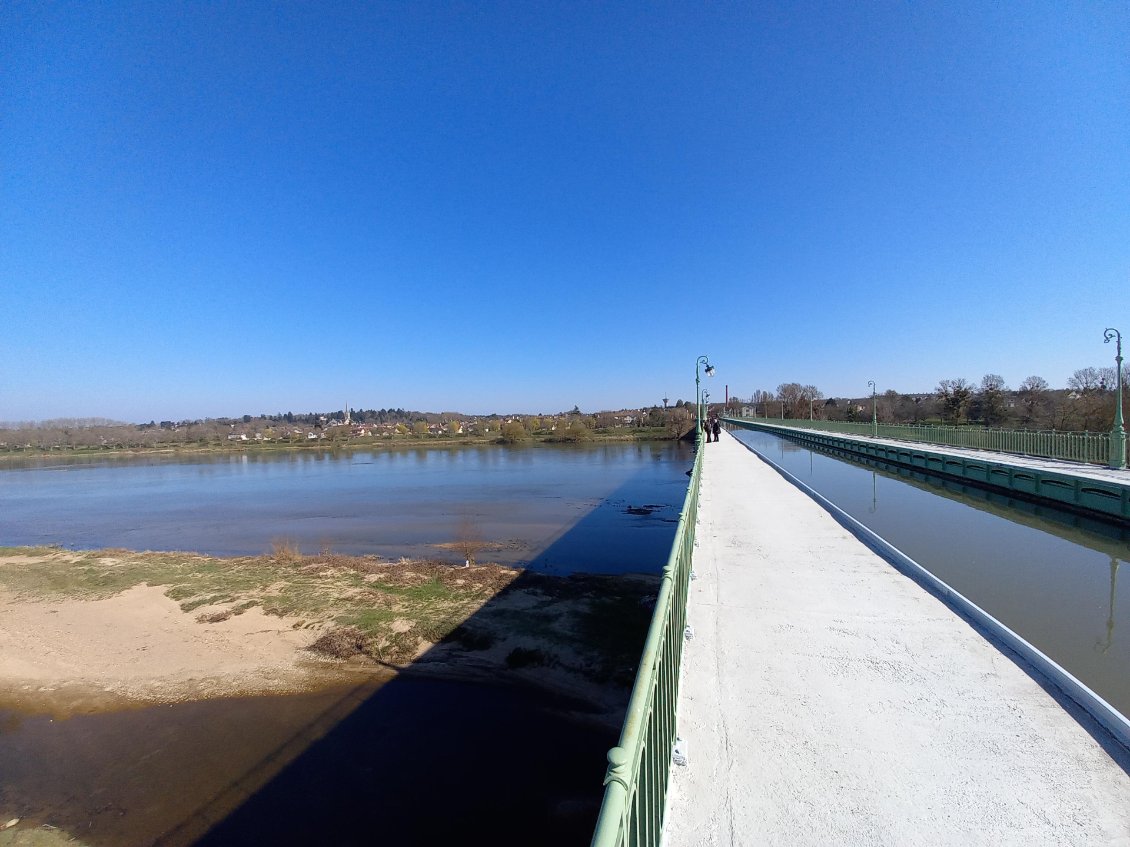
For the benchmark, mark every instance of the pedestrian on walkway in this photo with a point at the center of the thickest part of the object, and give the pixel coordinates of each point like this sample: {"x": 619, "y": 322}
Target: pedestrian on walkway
{"x": 717, "y": 426}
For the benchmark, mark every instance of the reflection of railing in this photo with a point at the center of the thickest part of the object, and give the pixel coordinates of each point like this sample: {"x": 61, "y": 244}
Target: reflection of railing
{"x": 1091, "y": 447}
{"x": 638, "y": 767}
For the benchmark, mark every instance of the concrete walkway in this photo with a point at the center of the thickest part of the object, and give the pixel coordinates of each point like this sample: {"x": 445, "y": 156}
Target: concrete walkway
{"x": 1082, "y": 469}
{"x": 827, "y": 699}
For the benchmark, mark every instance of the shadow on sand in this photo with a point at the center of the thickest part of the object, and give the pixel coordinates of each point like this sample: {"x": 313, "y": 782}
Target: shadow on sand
{"x": 424, "y": 760}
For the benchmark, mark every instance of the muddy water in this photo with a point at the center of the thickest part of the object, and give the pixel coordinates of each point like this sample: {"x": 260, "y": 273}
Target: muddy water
{"x": 412, "y": 761}
{"x": 141, "y": 775}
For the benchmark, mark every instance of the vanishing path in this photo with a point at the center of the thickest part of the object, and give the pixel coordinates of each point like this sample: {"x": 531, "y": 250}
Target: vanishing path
{"x": 828, "y": 699}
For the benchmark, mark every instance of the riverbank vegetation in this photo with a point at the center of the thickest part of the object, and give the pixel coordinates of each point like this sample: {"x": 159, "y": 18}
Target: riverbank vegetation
{"x": 484, "y": 619}
{"x": 347, "y": 429}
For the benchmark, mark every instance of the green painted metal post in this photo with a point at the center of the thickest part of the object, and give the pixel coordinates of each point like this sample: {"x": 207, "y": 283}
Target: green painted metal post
{"x": 1117, "y": 432}
{"x": 874, "y": 411}
{"x": 702, "y": 360}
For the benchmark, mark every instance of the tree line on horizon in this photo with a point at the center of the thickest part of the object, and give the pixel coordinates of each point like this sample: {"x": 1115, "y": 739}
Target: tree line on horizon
{"x": 1085, "y": 404}
{"x": 327, "y": 428}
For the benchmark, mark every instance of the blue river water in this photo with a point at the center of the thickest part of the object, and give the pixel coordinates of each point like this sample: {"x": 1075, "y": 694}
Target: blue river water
{"x": 1049, "y": 576}
{"x": 605, "y": 508}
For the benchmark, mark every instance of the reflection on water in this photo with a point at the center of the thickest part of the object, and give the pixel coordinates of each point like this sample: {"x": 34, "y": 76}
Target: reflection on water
{"x": 1048, "y": 575}
{"x": 1105, "y": 645}
{"x": 526, "y": 500}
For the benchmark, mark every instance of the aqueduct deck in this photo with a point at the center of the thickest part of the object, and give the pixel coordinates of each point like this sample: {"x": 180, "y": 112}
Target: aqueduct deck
{"x": 826, "y": 698}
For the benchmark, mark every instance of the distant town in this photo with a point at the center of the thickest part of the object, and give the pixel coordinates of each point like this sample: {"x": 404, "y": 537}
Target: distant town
{"x": 1085, "y": 404}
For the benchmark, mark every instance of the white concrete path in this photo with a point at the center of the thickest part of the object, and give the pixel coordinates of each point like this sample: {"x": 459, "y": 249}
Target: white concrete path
{"x": 829, "y": 700}
{"x": 1087, "y": 471}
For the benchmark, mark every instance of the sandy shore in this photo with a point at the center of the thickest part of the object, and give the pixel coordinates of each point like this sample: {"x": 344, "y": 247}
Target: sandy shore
{"x": 139, "y": 646}
{"x": 99, "y": 630}
{"x": 146, "y": 696}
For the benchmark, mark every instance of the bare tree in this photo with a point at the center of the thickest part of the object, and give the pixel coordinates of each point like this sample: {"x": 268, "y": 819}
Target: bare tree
{"x": 1086, "y": 406}
{"x": 954, "y": 396}
{"x": 812, "y": 394}
{"x": 887, "y": 407}
{"x": 469, "y": 541}
{"x": 1034, "y": 400}
{"x": 791, "y": 395}
{"x": 992, "y": 408}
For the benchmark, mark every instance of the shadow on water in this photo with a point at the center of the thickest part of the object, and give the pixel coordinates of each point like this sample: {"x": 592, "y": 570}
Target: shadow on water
{"x": 422, "y": 758}
{"x": 434, "y": 761}
{"x": 429, "y": 761}
{"x": 641, "y": 541}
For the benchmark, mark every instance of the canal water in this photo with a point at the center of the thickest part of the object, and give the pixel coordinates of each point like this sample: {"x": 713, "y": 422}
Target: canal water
{"x": 1048, "y": 575}
{"x": 607, "y": 508}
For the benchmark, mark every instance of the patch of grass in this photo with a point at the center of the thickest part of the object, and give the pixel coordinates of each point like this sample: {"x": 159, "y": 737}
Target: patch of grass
{"x": 204, "y": 600}
{"x": 438, "y": 629}
{"x": 30, "y": 551}
{"x": 369, "y": 620}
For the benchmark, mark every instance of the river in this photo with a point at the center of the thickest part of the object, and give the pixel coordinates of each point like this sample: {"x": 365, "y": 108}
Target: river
{"x": 411, "y": 760}
{"x": 599, "y": 508}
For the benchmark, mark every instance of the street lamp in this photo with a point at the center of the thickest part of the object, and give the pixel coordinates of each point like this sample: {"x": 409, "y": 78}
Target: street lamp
{"x": 1117, "y": 432}
{"x": 874, "y": 412}
{"x": 701, "y": 360}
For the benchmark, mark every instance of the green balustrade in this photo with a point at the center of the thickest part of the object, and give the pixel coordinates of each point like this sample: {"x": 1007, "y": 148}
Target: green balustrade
{"x": 635, "y": 789}
{"x": 1090, "y": 447}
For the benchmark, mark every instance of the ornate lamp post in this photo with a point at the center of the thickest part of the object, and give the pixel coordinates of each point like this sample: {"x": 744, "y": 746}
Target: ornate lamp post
{"x": 702, "y": 360}
{"x": 874, "y": 411}
{"x": 1117, "y": 432}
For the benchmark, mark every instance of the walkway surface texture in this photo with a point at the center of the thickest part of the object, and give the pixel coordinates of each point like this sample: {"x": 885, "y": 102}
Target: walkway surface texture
{"x": 828, "y": 699}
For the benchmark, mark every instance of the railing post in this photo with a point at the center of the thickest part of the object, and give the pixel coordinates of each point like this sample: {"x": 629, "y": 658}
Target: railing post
{"x": 1117, "y": 432}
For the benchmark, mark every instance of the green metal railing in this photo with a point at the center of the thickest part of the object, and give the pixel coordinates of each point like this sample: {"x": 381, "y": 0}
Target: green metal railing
{"x": 1090, "y": 447}
{"x": 635, "y": 787}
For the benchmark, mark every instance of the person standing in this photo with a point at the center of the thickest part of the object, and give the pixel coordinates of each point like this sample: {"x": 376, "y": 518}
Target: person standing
{"x": 717, "y": 427}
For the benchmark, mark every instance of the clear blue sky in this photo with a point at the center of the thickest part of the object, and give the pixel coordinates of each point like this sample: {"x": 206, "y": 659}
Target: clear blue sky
{"x": 213, "y": 209}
